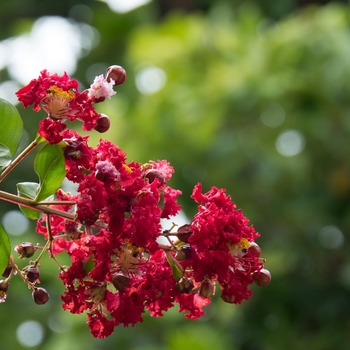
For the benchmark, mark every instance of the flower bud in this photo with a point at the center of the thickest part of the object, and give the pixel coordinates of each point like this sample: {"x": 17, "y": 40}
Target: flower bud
{"x": 4, "y": 285}
{"x": 184, "y": 285}
{"x": 117, "y": 73}
{"x": 7, "y": 271}
{"x": 207, "y": 289}
{"x": 103, "y": 123}
{"x": 230, "y": 299}
{"x": 153, "y": 174}
{"x": 32, "y": 273}
{"x": 25, "y": 249}
{"x": 184, "y": 232}
{"x": 120, "y": 280}
{"x": 254, "y": 249}
{"x": 262, "y": 278}
{"x": 184, "y": 253}
{"x": 40, "y": 296}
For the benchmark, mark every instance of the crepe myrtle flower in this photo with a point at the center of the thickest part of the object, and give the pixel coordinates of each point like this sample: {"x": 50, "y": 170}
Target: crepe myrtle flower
{"x": 59, "y": 97}
{"x": 101, "y": 89}
{"x": 111, "y": 228}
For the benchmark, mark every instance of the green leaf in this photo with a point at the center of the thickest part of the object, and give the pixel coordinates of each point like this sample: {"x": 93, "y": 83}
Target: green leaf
{"x": 28, "y": 190}
{"x": 5, "y": 248}
{"x": 5, "y": 157}
{"x": 175, "y": 266}
{"x": 49, "y": 164}
{"x": 11, "y": 126}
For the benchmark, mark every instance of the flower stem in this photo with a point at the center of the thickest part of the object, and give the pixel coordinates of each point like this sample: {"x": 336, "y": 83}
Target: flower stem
{"x": 12, "y": 198}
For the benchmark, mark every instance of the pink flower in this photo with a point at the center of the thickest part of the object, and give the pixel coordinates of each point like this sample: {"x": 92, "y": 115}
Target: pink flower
{"x": 101, "y": 88}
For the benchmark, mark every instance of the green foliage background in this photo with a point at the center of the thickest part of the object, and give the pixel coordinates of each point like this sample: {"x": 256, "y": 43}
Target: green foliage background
{"x": 227, "y": 64}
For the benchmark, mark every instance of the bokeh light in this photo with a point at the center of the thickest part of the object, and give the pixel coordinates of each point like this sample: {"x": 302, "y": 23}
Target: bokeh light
{"x": 15, "y": 223}
{"x": 289, "y": 143}
{"x": 54, "y": 43}
{"x": 123, "y": 6}
{"x": 273, "y": 116}
{"x": 331, "y": 237}
{"x": 149, "y": 80}
{"x": 30, "y": 334}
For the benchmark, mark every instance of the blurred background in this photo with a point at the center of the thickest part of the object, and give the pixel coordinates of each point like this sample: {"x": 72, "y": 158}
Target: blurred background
{"x": 252, "y": 96}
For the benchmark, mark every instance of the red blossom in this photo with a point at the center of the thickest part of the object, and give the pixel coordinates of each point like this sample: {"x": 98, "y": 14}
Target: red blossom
{"x": 118, "y": 268}
{"x": 36, "y": 91}
{"x": 51, "y": 130}
{"x": 100, "y": 326}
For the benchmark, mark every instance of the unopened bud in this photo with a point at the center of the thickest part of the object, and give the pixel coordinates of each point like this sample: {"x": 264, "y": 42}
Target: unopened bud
{"x": 153, "y": 174}
{"x": 7, "y": 271}
{"x": 207, "y": 289}
{"x": 120, "y": 280}
{"x": 184, "y": 285}
{"x": 40, "y": 296}
{"x": 117, "y": 73}
{"x": 32, "y": 273}
{"x": 230, "y": 299}
{"x": 4, "y": 286}
{"x": 255, "y": 249}
{"x": 103, "y": 123}
{"x": 184, "y": 232}
{"x": 184, "y": 253}
{"x": 25, "y": 249}
{"x": 262, "y": 278}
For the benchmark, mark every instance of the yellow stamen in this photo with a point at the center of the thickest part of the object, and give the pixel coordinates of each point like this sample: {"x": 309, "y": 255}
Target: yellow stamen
{"x": 55, "y": 91}
{"x": 127, "y": 168}
{"x": 239, "y": 249}
{"x": 243, "y": 243}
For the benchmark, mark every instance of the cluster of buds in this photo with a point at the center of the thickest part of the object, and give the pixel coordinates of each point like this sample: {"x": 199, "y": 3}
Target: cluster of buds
{"x": 122, "y": 261}
{"x": 30, "y": 274}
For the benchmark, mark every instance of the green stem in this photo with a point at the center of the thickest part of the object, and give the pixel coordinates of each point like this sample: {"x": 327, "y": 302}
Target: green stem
{"x": 21, "y": 156}
{"x": 42, "y": 253}
{"x": 12, "y": 198}
{"x": 50, "y": 240}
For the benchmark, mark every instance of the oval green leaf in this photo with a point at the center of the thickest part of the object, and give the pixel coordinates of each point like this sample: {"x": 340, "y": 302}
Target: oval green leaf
{"x": 49, "y": 164}
{"x": 5, "y": 248}
{"x": 5, "y": 157}
{"x": 11, "y": 126}
{"x": 28, "y": 190}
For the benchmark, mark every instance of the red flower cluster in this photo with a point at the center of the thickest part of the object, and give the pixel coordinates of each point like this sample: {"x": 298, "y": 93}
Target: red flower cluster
{"x": 119, "y": 267}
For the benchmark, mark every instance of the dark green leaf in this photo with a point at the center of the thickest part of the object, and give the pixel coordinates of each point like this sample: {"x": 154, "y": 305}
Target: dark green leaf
{"x": 5, "y": 157}
{"x": 28, "y": 190}
{"x": 5, "y": 248}
{"x": 50, "y": 166}
{"x": 11, "y": 126}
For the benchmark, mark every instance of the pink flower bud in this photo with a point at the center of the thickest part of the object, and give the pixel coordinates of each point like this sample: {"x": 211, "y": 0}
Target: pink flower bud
{"x": 116, "y": 73}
